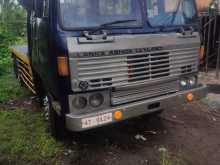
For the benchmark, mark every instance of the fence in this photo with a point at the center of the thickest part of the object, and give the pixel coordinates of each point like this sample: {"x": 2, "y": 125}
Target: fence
{"x": 210, "y": 32}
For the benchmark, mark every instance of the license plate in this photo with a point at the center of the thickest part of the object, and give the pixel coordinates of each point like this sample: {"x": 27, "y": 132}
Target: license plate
{"x": 97, "y": 120}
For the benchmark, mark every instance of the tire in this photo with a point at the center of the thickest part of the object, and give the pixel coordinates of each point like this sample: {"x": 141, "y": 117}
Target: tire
{"x": 57, "y": 123}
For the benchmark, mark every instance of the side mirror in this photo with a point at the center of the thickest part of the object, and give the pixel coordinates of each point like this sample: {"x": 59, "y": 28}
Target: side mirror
{"x": 27, "y": 4}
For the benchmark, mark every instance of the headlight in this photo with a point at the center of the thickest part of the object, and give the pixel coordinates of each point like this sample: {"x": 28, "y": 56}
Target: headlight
{"x": 183, "y": 83}
{"x": 192, "y": 81}
{"x": 96, "y": 100}
{"x": 188, "y": 82}
{"x": 79, "y": 102}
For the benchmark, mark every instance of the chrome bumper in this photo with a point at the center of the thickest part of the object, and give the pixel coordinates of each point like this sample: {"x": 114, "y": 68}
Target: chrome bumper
{"x": 74, "y": 123}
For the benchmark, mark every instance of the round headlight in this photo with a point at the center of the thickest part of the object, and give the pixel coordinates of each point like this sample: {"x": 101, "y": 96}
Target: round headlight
{"x": 192, "y": 81}
{"x": 79, "y": 102}
{"x": 183, "y": 83}
{"x": 96, "y": 100}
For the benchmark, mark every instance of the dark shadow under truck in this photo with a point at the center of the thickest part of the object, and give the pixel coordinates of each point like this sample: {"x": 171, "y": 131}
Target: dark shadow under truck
{"x": 104, "y": 61}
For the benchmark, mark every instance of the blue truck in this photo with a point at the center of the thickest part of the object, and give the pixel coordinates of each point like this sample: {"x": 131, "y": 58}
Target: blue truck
{"x": 99, "y": 62}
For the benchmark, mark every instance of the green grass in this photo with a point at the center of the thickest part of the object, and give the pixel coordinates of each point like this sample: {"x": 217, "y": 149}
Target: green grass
{"x": 24, "y": 139}
{"x": 10, "y": 88}
{"x": 167, "y": 159}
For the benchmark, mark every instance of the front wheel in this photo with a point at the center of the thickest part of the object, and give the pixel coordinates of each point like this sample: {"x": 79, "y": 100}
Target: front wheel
{"x": 57, "y": 122}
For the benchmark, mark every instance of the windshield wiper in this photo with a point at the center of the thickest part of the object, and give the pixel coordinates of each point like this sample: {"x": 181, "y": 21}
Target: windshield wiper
{"x": 176, "y": 12}
{"x": 174, "y": 15}
{"x": 102, "y": 26}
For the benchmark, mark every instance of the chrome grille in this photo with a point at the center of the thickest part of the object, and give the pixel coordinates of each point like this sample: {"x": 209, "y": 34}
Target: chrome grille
{"x": 132, "y": 68}
{"x": 127, "y": 95}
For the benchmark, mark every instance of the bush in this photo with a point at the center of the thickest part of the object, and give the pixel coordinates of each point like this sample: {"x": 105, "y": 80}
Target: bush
{"x": 12, "y": 29}
{"x": 6, "y": 41}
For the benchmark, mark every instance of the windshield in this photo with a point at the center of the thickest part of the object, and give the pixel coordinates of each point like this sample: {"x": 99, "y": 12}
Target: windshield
{"x": 77, "y": 14}
{"x": 171, "y": 12}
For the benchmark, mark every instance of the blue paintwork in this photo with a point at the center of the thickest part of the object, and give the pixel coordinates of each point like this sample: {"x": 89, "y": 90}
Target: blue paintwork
{"x": 60, "y": 87}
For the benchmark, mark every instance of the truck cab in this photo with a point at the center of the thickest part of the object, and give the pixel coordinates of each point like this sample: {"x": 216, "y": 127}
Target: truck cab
{"x": 104, "y": 61}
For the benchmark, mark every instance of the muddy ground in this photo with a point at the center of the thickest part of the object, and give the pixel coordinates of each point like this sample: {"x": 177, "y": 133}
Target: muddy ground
{"x": 190, "y": 134}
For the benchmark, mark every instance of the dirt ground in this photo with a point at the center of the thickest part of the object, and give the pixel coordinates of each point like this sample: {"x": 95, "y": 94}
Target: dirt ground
{"x": 189, "y": 133}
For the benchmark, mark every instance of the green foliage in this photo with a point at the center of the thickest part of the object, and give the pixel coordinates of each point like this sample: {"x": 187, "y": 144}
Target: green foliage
{"x": 12, "y": 29}
{"x": 5, "y": 40}
{"x": 10, "y": 89}
{"x": 24, "y": 138}
{"x": 12, "y": 17}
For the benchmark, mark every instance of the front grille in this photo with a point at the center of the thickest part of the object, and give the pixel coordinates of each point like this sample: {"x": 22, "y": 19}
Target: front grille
{"x": 148, "y": 66}
{"x": 133, "y": 67}
{"x": 127, "y": 95}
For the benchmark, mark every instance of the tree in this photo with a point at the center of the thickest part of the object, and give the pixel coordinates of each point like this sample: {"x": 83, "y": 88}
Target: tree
{"x": 12, "y": 28}
{"x": 12, "y": 17}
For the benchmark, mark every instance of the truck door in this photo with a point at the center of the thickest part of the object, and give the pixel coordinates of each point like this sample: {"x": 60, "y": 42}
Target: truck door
{"x": 40, "y": 39}
{"x": 43, "y": 40}
{"x": 42, "y": 43}
{"x": 34, "y": 41}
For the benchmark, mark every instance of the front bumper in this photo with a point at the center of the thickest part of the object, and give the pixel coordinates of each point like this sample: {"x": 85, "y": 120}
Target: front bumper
{"x": 74, "y": 122}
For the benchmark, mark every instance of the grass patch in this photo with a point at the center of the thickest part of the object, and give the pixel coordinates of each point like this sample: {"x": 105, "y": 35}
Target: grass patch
{"x": 166, "y": 159}
{"x": 10, "y": 88}
{"x": 24, "y": 138}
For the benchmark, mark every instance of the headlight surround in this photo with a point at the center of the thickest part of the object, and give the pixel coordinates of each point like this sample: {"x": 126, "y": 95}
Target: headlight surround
{"x": 96, "y": 100}
{"x": 188, "y": 82}
{"x": 89, "y": 101}
{"x": 183, "y": 83}
{"x": 79, "y": 102}
{"x": 192, "y": 81}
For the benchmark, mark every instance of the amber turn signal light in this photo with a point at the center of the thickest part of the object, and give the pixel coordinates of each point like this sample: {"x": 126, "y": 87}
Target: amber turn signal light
{"x": 63, "y": 67}
{"x": 190, "y": 97}
{"x": 118, "y": 115}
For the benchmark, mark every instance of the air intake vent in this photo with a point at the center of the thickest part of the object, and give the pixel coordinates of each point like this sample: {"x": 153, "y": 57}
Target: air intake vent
{"x": 187, "y": 69}
{"x": 101, "y": 82}
{"x": 122, "y": 96}
{"x": 148, "y": 66}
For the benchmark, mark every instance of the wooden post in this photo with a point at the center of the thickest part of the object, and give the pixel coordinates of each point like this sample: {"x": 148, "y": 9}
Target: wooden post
{"x": 218, "y": 58}
{"x": 208, "y": 42}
